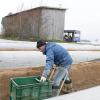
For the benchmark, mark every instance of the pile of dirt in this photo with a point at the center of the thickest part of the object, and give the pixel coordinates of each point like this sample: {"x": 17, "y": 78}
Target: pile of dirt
{"x": 84, "y": 75}
{"x": 5, "y": 76}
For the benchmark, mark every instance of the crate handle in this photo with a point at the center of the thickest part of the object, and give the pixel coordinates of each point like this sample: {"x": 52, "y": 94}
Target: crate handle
{"x": 14, "y": 82}
{"x": 37, "y": 79}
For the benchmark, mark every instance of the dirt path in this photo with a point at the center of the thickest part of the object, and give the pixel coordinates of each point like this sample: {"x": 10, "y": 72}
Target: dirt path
{"x": 84, "y": 75}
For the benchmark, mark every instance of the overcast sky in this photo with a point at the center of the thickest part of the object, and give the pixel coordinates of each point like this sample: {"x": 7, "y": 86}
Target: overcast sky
{"x": 83, "y": 15}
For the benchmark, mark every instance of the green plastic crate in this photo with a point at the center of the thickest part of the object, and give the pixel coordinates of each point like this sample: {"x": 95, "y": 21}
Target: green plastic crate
{"x": 29, "y": 88}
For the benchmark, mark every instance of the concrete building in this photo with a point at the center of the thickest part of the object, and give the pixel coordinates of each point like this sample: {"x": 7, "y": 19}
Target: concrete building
{"x": 41, "y": 22}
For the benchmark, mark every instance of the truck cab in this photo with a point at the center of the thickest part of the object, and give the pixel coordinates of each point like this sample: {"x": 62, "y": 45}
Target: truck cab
{"x": 71, "y": 35}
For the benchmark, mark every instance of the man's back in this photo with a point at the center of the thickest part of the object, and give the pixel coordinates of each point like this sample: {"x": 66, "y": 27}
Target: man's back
{"x": 61, "y": 55}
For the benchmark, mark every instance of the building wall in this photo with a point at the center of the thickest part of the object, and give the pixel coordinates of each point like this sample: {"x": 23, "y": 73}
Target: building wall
{"x": 52, "y": 24}
{"x": 36, "y": 23}
{"x": 23, "y": 25}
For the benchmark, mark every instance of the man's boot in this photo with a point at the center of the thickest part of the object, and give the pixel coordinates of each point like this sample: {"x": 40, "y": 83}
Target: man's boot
{"x": 55, "y": 90}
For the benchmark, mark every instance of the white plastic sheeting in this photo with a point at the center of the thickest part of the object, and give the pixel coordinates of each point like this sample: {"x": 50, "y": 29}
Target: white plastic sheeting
{"x": 10, "y": 59}
{"x": 9, "y": 44}
{"x": 13, "y": 45}
{"x": 84, "y": 47}
{"x": 88, "y": 94}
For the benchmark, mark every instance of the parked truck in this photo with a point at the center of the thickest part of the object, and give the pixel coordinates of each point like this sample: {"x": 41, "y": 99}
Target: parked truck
{"x": 71, "y": 35}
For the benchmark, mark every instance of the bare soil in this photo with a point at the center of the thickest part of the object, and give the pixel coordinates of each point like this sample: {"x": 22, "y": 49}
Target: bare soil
{"x": 84, "y": 75}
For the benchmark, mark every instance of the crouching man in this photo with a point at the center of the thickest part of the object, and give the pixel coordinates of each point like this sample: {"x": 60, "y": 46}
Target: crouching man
{"x": 55, "y": 54}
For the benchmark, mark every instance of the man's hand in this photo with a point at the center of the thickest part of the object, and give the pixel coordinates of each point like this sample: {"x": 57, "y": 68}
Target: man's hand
{"x": 43, "y": 79}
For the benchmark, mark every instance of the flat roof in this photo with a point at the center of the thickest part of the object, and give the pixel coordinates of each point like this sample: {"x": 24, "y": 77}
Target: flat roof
{"x": 71, "y": 31}
{"x": 41, "y": 7}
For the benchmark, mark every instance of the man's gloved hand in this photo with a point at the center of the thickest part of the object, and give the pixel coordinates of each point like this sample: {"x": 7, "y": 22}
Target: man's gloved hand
{"x": 43, "y": 79}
